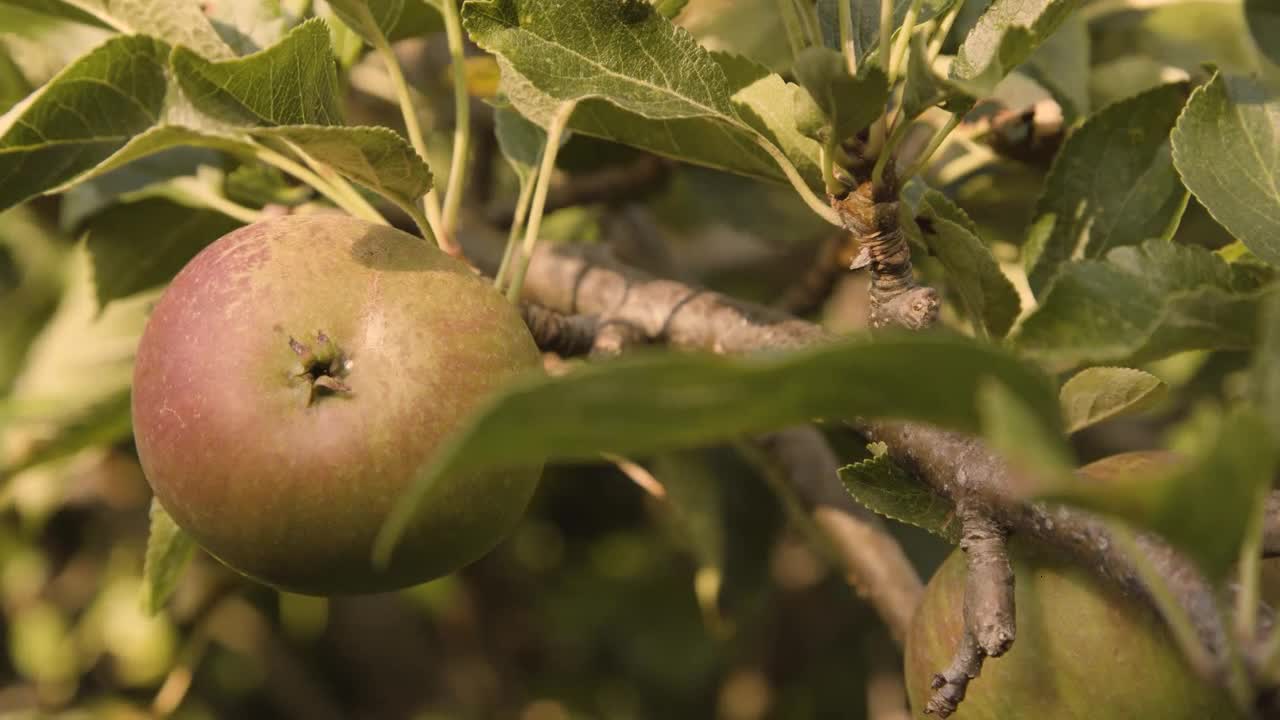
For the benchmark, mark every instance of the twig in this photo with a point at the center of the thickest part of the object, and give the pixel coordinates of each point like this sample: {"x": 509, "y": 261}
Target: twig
{"x": 632, "y": 181}
{"x": 564, "y": 335}
{"x": 871, "y": 559}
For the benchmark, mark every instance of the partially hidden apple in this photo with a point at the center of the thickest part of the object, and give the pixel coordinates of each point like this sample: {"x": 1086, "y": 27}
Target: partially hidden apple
{"x": 1083, "y": 650}
{"x": 293, "y": 379}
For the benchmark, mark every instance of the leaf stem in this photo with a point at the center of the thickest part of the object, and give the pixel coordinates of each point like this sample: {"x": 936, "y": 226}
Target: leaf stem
{"x": 828, "y": 167}
{"x": 214, "y": 201}
{"x": 520, "y": 262}
{"x": 942, "y": 30}
{"x": 848, "y": 43}
{"x": 815, "y": 203}
{"x": 431, "y": 201}
{"x": 339, "y": 183}
{"x": 904, "y": 40}
{"x": 934, "y": 143}
{"x": 513, "y": 237}
{"x": 887, "y": 152}
{"x": 278, "y": 160}
{"x": 462, "y": 117}
{"x": 886, "y": 34}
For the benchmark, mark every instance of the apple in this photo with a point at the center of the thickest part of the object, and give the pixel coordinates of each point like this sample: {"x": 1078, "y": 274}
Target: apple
{"x": 296, "y": 375}
{"x": 1084, "y": 651}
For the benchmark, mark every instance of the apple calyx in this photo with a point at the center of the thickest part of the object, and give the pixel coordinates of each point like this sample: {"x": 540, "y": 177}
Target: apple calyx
{"x": 322, "y": 366}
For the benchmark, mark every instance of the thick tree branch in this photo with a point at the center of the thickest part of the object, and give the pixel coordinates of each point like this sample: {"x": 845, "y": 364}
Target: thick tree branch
{"x": 586, "y": 281}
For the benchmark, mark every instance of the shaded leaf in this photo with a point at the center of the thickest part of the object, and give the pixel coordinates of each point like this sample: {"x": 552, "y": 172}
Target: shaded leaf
{"x": 989, "y": 299}
{"x": 1010, "y": 426}
{"x": 1004, "y": 37}
{"x": 641, "y": 81}
{"x": 294, "y": 82}
{"x": 1096, "y": 394}
{"x": 849, "y": 103}
{"x": 1061, "y": 66}
{"x": 1144, "y": 303}
{"x": 86, "y": 113}
{"x": 627, "y": 406}
{"x": 1227, "y": 148}
{"x": 1112, "y": 184}
{"x": 393, "y": 19}
{"x": 670, "y": 8}
{"x": 248, "y": 26}
{"x": 142, "y": 244}
{"x": 866, "y": 22}
{"x": 169, "y": 549}
{"x": 881, "y": 485}
{"x": 1197, "y": 506}
{"x": 924, "y": 88}
{"x": 376, "y": 157}
{"x": 520, "y": 140}
{"x": 1263, "y": 18}
{"x": 13, "y": 84}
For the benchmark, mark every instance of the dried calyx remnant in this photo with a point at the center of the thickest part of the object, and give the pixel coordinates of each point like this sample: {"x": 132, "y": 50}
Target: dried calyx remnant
{"x": 321, "y": 365}
{"x": 870, "y": 212}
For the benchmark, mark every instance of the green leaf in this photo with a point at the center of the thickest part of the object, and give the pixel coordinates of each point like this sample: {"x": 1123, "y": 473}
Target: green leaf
{"x": 394, "y": 19}
{"x": 641, "y": 81}
{"x": 881, "y": 485}
{"x": 924, "y": 88}
{"x": 142, "y": 244}
{"x": 1144, "y": 303}
{"x": 376, "y": 157}
{"x": 1112, "y": 184}
{"x": 1011, "y": 428}
{"x": 520, "y": 140}
{"x": 1198, "y": 507}
{"x": 1263, "y": 18}
{"x": 1227, "y": 148}
{"x": 1098, "y": 394}
{"x": 294, "y": 82}
{"x": 85, "y": 114}
{"x": 627, "y": 406}
{"x": 849, "y": 103}
{"x": 1004, "y": 37}
{"x": 169, "y": 549}
{"x": 989, "y": 299}
{"x": 1061, "y": 66}
{"x": 178, "y": 22}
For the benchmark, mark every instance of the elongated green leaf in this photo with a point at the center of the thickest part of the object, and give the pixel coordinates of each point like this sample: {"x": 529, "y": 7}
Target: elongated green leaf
{"x": 89, "y": 111}
{"x": 180, "y": 22}
{"x": 142, "y": 244}
{"x": 924, "y": 88}
{"x": 989, "y": 299}
{"x": 376, "y": 157}
{"x": 703, "y": 141}
{"x": 849, "y": 103}
{"x": 169, "y": 549}
{"x": 393, "y": 19}
{"x": 882, "y": 486}
{"x": 1112, "y": 184}
{"x": 627, "y": 406}
{"x": 13, "y": 84}
{"x": 1004, "y": 37}
{"x": 1144, "y": 303}
{"x": 1198, "y": 506}
{"x": 1097, "y": 394}
{"x": 294, "y": 82}
{"x": 1010, "y": 427}
{"x": 642, "y": 81}
{"x": 1227, "y": 148}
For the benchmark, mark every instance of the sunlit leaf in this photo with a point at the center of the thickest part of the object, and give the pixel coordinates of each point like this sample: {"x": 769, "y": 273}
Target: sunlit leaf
{"x": 1098, "y": 394}
{"x": 169, "y": 549}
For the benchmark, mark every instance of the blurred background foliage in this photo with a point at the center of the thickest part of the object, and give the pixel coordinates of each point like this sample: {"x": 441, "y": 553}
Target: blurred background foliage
{"x": 707, "y": 599}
